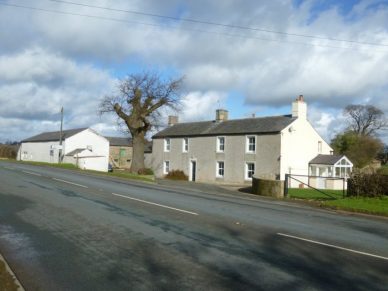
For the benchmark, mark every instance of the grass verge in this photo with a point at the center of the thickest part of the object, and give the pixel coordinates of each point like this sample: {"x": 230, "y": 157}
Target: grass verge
{"x": 383, "y": 170}
{"x": 7, "y": 281}
{"x": 377, "y": 206}
{"x": 118, "y": 173}
{"x": 312, "y": 194}
{"x": 364, "y": 205}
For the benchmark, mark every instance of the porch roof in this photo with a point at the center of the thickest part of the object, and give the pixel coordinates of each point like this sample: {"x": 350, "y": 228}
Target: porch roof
{"x": 326, "y": 159}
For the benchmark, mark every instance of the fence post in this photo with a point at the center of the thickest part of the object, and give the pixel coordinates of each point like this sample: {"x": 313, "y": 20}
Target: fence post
{"x": 343, "y": 188}
{"x": 286, "y": 186}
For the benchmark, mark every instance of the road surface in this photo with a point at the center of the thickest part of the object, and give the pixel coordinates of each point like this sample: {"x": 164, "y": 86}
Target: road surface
{"x": 63, "y": 230}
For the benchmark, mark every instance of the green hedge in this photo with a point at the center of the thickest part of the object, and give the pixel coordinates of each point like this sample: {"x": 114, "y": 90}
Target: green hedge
{"x": 367, "y": 185}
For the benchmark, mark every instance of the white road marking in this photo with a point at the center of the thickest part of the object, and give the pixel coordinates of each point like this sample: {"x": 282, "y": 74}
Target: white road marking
{"x": 64, "y": 181}
{"x": 332, "y": 246}
{"x": 32, "y": 173}
{"x": 156, "y": 204}
{"x": 9, "y": 168}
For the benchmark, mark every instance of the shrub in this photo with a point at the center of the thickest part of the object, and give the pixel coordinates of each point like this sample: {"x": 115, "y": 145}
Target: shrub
{"x": 367, "y": 185}
{"x": 7, "y": 151}
{"x": 145, "y": 171}
{"x": 177, "y": 175}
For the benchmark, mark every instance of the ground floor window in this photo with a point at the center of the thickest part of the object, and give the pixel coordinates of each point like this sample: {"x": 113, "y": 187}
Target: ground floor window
{"x": 166, "y": 169}
{"x": 220, "y": 169}
{"x": 249, "y": 170}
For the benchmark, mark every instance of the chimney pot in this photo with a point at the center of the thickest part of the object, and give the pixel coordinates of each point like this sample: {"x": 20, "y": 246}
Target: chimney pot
{"x": 172, "y": 120}
{"x": 221, "y": 115}
{"x": 299, "y": 108}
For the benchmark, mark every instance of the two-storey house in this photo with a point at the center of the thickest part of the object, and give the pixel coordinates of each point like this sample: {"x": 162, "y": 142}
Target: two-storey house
{"x": 232, "y": 151}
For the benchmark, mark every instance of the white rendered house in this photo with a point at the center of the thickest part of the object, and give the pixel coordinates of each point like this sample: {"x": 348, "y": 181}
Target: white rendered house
{"x": 232, "y": 151}
{"x": 82, "y": 147}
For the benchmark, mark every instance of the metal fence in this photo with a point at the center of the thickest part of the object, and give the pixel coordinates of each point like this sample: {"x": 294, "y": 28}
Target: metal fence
{"x": 317, "y": 183}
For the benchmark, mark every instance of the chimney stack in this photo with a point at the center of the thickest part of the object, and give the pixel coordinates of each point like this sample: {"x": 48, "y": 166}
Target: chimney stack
{"x": 172, "y": 120}
{"x": 299, "y": 108}
{"x": 221, "y": 115}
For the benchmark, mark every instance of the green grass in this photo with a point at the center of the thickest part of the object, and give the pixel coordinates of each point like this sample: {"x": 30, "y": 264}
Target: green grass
{"x": 7, "y": 281}
{"x": 117, "y": 173}
{"x": 63, "y": 165}
{"x": 377, "y": 206}
{"x": 311, "y": 194}
{"x": 364, "y": 205}
{"x": 383, "y": 170}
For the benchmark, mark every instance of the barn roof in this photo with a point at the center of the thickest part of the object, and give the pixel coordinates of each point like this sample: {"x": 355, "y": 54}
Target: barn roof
{"x": 54, "y": 135}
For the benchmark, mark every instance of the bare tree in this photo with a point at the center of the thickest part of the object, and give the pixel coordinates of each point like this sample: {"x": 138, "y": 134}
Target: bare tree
{"x": 137, "y": 103}
{"x": 365, "y": 119}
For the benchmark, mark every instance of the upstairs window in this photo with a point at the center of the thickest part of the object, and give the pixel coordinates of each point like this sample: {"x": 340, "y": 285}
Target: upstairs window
{"x": 167, "y": 144}
{"x": 185, "y": 148}
{"x": 221, "y": 144}
{"x": 319, "y": 147}
{"x": 251, "y": 144}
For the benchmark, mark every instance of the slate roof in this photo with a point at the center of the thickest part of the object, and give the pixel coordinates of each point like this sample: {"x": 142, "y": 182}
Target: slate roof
{"x": 119, "y": 141}
{"x": 74, "y": 152}
{"x": 54, "y": 135}
{"x": 260, "y": 125}
{"x": 326, "y": 159}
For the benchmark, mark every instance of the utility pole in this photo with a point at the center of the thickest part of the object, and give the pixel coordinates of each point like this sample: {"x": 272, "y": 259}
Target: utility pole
{"x": 60, "y": 139}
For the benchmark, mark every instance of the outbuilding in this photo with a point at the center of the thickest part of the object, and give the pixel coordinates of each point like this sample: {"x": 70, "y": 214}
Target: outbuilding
{"x": 83, "y": 147}
{"x": 329, "y": 171}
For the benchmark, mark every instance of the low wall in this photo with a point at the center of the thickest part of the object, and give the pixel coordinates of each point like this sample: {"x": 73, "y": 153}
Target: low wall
{"x": 268, "y": 187}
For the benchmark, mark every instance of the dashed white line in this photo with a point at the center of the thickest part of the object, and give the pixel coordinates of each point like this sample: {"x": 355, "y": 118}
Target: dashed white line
{"x": 9, "y": 168}
{"x": 332, "y": 246}
{"x": 71, "y": 183}
{"x": 32, "y": 173}
{"x": 156, "y": 204}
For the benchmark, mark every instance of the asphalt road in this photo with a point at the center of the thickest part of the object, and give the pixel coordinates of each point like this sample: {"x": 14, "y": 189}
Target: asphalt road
{"x": 61, "y": 230}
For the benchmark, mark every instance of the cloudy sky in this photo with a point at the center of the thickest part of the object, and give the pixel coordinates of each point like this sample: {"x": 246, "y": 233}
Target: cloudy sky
{"x": 250, "y": 57}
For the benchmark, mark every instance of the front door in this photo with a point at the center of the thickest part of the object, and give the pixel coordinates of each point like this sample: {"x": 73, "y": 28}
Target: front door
{"x": 193, "y": 170}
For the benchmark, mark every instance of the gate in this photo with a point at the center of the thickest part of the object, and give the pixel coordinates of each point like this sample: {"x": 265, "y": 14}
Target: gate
{"x": 321, "y": 184}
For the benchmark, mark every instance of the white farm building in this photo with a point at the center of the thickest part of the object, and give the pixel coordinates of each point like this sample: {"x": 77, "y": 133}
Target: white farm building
{"x": 82, "y": 147}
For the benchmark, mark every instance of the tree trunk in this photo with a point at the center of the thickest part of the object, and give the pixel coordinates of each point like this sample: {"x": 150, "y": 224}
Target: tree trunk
{"x": 138, "y": 143}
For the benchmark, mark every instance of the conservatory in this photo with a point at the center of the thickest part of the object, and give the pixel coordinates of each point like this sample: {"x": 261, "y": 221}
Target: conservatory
{"x": 329, "y": 171}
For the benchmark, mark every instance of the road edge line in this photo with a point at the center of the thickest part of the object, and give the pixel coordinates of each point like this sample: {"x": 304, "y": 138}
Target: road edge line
{"x": 32, "y": 173}
{"x": 156, "y": 204}
{"x": 332, "y": 246}
{"x": 71, "y": 183}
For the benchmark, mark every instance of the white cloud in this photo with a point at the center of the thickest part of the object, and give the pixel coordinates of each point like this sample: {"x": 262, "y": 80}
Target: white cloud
{"x": 198, "y": 106}
{"x": 36, "y": 83}
{"x": 49, "y": 59}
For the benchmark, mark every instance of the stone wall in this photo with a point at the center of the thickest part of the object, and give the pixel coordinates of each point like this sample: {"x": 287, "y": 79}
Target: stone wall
{"x": 268, "y": 187}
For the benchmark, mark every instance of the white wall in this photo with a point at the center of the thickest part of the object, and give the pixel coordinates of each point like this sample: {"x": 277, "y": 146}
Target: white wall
{"x": 299, "y": 145}
{"x": 98, "y": 143}
{"x": 38, "y": 152}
